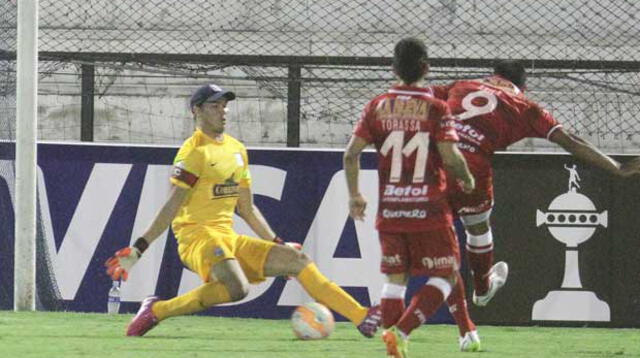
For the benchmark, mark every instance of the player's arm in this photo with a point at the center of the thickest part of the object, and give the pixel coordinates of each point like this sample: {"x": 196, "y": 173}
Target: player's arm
{"x": 351, "y": 163}
{"x": 119, "y": 265}
{"x": 588, "y": 153}
{"x": 165, "y": 215}
{"x": 454, "y": 163}
{"x": 250, "y": 213}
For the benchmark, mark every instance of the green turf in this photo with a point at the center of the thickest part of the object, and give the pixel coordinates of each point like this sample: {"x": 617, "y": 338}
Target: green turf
{"x": 55, "y": 334}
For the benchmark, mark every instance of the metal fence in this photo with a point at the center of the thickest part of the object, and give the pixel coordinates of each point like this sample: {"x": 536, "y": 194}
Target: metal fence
{"x": 304, "y": 69}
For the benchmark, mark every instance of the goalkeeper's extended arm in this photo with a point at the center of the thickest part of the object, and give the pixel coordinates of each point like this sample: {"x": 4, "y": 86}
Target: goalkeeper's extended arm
{"x": 250, "y": 213}
{"x": 119, "y": 265}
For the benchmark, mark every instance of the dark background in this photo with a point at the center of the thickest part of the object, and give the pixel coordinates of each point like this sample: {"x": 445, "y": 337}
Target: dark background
{"x": 609, "y": 263}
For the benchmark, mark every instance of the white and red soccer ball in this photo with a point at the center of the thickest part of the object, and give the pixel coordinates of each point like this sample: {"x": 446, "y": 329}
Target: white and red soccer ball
{"x": 312, "y": 321}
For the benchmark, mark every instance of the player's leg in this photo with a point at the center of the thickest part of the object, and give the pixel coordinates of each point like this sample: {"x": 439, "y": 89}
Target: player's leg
{"x": 457, "y": 302}
{"x": 211, "y": 257}
{"x": 435, "y": 254}
{"x": 392, "y": 307}
{"x": 227, "y": 283}
{"x": 458, "y": 307}
{"x": 283, "y": 260}
{"x": 474, "y": 210}
{"x": 469, "y": 339}
{"x": 487, "y": 277}
{"x": 153, "y": 310}
{"x": 423, "y": 304}
{"x": 395, "y": 265}
{"x": 479, "y": 248}
{"x": 393, "y": 295}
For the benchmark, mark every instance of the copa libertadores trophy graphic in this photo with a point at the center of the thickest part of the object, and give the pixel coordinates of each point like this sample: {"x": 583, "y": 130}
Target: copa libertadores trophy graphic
{"x": 572, "y": 219}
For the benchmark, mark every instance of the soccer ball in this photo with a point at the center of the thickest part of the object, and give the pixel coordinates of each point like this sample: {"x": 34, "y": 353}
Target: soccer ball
{"x": 312, "y": 321}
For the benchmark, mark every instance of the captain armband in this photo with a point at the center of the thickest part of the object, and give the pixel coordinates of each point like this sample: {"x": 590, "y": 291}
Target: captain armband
{"x": 184, "y": 176}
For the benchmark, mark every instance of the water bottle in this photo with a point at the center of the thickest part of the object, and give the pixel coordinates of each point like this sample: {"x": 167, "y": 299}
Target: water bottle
{"x": 113, "y": 302}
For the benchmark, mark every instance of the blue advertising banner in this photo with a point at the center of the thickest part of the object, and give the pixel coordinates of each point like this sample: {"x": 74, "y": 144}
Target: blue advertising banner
{"x": 568, "y": 232}
{"x": 95, "y": 199}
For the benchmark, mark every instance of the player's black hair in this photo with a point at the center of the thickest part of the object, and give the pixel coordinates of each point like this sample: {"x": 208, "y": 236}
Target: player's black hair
{"x": 512, "y": 70}
{"x": 410, "y": 59}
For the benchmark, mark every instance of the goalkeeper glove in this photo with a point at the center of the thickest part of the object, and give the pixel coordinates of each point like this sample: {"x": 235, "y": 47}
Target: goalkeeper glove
{"x": 119, "y": 265}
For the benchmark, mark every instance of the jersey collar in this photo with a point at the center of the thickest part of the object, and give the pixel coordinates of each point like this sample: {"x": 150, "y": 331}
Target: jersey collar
{"x": 411, "y": 91}
{"x": 205, "y": 137}
{"x": 503, "y": 83}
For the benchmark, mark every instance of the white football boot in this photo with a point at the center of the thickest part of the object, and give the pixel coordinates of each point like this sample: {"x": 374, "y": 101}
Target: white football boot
{"x": 497, "y": 278}
{"x": 470, "y": 342}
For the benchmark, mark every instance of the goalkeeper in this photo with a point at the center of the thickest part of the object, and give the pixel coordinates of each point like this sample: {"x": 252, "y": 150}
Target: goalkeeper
{"x": 211, "y": 180}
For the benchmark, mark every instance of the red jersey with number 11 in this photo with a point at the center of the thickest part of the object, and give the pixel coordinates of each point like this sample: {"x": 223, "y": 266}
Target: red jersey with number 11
{"x": 404, "y": 124}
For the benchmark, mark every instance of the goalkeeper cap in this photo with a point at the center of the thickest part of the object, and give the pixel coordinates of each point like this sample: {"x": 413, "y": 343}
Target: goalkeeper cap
{"x": 210, "y": 93}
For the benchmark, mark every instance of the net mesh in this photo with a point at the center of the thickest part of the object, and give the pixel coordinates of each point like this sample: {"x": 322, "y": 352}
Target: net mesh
{"x": 597, "y": 30}
{"x": 149, "y": 56}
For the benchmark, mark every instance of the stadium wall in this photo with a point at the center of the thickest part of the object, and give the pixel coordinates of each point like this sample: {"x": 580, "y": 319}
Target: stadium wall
{"x": 145, "y": 102}
{"x": 94, "y": 199}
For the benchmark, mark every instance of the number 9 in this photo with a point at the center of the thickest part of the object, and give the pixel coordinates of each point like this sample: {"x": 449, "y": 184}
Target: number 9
{"x": 472, "y": 110}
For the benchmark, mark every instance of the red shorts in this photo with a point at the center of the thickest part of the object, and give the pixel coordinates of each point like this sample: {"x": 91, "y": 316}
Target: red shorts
{"x": 481, "y": 198}
{"x": 430, "y": 253}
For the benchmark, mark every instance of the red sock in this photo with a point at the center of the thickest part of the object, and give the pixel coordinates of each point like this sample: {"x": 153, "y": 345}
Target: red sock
{"x": 480, "y": 263}
{"x": 392, "y": 309}
{"x": 458, "y": 307}
{"x": 423, "y": 304}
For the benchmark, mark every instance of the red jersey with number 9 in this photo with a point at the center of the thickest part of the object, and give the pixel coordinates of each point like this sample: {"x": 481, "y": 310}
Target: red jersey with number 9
{"x": 404, "y": 124}
{"x": 492, "y": 113}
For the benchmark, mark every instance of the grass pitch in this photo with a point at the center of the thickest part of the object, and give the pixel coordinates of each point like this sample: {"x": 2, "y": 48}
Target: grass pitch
{"x": 64, "y": 334}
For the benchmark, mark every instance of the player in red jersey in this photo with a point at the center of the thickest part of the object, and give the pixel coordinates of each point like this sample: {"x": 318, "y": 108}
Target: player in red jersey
{"x": 414, "y": 136}
{"x": 491, "y": 114}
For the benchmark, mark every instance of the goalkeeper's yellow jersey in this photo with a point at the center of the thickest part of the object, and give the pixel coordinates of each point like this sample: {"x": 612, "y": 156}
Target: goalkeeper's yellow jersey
{"x": 213, "y": 171}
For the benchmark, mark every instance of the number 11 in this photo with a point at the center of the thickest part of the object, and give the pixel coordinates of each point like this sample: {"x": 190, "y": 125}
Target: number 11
{"x": 394, "y": 142}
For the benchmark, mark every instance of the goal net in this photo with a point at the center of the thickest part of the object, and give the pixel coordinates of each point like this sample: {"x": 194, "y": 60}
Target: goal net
{"x": 150, "y": 55}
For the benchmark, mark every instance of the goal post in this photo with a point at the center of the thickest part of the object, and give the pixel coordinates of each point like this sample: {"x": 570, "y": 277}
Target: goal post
{"x": 26, "y": 157}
